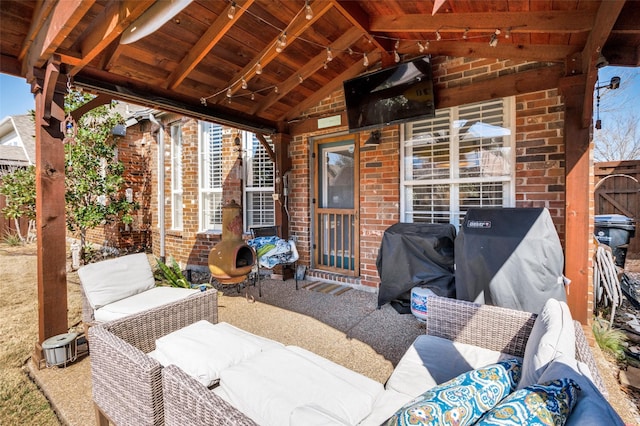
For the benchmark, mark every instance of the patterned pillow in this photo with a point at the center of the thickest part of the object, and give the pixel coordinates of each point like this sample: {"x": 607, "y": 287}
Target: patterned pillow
{"x": 463, "y": 399}
{"x": 548, "y": 403}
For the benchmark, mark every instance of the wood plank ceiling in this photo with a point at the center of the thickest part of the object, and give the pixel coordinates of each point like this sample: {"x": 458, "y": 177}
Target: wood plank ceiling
{"x": 226, "y": 60}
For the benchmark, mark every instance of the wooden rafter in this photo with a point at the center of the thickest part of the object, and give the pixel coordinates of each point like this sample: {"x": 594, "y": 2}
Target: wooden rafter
{"x": 268, "y": 54}
{"x": 211, "y": 37}
{"x": 360, "y": 19}
{"x": 311, "y": 66}
{"x": 57, "y": 26}
{"x": 530, "y": 22}
{"x": 113, "y": 20}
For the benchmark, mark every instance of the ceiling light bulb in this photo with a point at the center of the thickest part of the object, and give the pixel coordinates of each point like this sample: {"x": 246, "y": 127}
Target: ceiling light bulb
{"x": 325, "y": 66}
{"x": 438, "y": 36}
{"x": 329, "y": 55}
{"x": 203, "y": 101}
{"x": 365, "y": 61}
{"x": 508, "y": 33}
{"x": 300, "y": 79}
{"x": 244, "y": 83}
{"x": 493, "y": 41}
{"x": 258, "y": 68}
{"x": 397, "y": 45}
{"x": 308, "y": 11}
{"x": 350, "y": 50}
{"x": 253, "y": 96}
{"x": 396, "y": 56}
{"x": 420, "y": 47}
{"x": 275, "y": 89}
{"x": 231, "y": 13}
{"x": 229, "y": 92}
{"x": 465, "y": 34}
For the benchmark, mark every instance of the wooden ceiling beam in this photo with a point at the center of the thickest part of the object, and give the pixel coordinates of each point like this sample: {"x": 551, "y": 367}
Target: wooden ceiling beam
{"x": 109, "y": 25}
{"x": 61, "y": 20}
{"x": 43, "y": 9}
{"x": 605, "y": 20}
{"x": 526, "y": 52}
{"x": 359, "y": 18}
{"x": 530, "y": 22}
{"x": 327, "y": 89}
{"x": 268, "y": 54}
{"x": 209, "y": 39}
{"x": 340, "y": 45}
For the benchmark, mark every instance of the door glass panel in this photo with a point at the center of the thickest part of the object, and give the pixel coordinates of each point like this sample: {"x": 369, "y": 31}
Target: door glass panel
{"x": 337, "y": 173}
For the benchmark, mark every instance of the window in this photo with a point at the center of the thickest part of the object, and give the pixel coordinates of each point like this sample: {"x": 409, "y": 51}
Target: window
{"x": 259, "y": 179}
{"x": 176, "y": 176}
{"x": 462, "y": 158}
{"x": 211, "y": 176}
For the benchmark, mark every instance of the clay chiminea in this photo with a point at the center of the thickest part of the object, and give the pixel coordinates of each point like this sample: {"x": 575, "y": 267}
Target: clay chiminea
{"x": 231, "y": 260}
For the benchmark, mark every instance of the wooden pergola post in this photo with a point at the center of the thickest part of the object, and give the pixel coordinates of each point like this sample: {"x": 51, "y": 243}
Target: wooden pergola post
{"x": 578, "y": 197}
{"x": 50, "y": 202}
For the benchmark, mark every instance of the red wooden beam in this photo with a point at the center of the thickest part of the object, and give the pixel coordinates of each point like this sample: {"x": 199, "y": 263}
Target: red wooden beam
{"x": 50, "y": 204}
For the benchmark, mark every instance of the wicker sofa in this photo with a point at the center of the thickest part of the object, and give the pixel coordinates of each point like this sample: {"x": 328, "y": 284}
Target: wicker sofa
{"x": 127, "y": 384}
{"x": 186, "y": 401}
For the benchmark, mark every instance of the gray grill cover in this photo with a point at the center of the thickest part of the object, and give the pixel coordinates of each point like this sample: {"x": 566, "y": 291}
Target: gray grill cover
{"x": 509, "y": 257}
{"x": 416, "y": 255}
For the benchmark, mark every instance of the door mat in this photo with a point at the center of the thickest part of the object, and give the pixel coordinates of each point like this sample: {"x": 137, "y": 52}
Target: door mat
{"x": 327, "y": 288}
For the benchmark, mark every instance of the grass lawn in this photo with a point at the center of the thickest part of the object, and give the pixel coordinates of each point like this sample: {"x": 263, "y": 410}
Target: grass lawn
{"x": 21, "y": 402}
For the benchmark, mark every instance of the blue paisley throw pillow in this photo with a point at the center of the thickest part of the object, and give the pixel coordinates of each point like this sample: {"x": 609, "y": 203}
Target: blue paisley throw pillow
{"x": 548, "y": 403}
{"x": 461, "y": 400}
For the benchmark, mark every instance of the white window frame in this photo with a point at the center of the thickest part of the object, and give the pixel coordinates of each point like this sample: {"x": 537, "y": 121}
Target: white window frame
{"x": 204, "y": 191}
{"x": 453, "y": 180}
{"x": 177, "y": 205}
{"x": 248, "y": 139}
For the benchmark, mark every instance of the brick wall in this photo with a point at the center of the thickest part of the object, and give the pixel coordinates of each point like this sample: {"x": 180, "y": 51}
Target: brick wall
{"x": 539, "y": 170}
{"x": 539, "y": 160}
{"x": 135, "y": 151}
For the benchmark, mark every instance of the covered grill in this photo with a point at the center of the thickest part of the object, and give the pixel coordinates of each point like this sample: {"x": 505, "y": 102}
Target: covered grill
{"x": 231, "y": 260}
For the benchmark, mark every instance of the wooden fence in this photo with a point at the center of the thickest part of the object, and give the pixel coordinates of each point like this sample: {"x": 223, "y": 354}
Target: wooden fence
{"x": 618, "y": 192}
{"x": 8, "y": 226}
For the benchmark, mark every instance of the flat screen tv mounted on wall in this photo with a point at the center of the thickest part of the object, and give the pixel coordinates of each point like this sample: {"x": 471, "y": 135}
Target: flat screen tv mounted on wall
{"x": 392, "y": 95}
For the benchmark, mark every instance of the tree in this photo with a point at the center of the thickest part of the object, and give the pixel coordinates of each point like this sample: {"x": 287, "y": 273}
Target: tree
{"x": 93, "y": 175}
{"x": 618, "y": 139}
{"x": 19, "y": 189}
{"x": 619, "y": 135}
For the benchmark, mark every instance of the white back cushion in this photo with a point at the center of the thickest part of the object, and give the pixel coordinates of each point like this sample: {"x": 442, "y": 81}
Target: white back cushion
{"x": 115, "y": 279}
{"x": 552, "y": 335}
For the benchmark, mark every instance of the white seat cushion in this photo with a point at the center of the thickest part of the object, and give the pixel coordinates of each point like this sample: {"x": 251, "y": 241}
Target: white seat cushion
{"x": 431, "y": 360}
{"x": 141, "y": 302}
{"x": 552, "y": 335}
{"x": 386, "y": 405}
{"x": 203, "y": 349}
{"x": 273, "y": 385}
{"x": 115, "y": 279}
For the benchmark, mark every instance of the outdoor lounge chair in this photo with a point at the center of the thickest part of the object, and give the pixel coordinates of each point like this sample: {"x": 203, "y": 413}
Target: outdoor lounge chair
{"x": 127, "y": 383}
{"x": 114, "y": 288}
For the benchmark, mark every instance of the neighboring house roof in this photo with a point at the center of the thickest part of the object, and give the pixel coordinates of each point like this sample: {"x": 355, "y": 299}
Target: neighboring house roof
{"x": 20, "y": 130}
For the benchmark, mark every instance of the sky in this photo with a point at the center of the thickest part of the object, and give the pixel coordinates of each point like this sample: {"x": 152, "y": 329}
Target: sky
{"x": 16, "y": 97}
